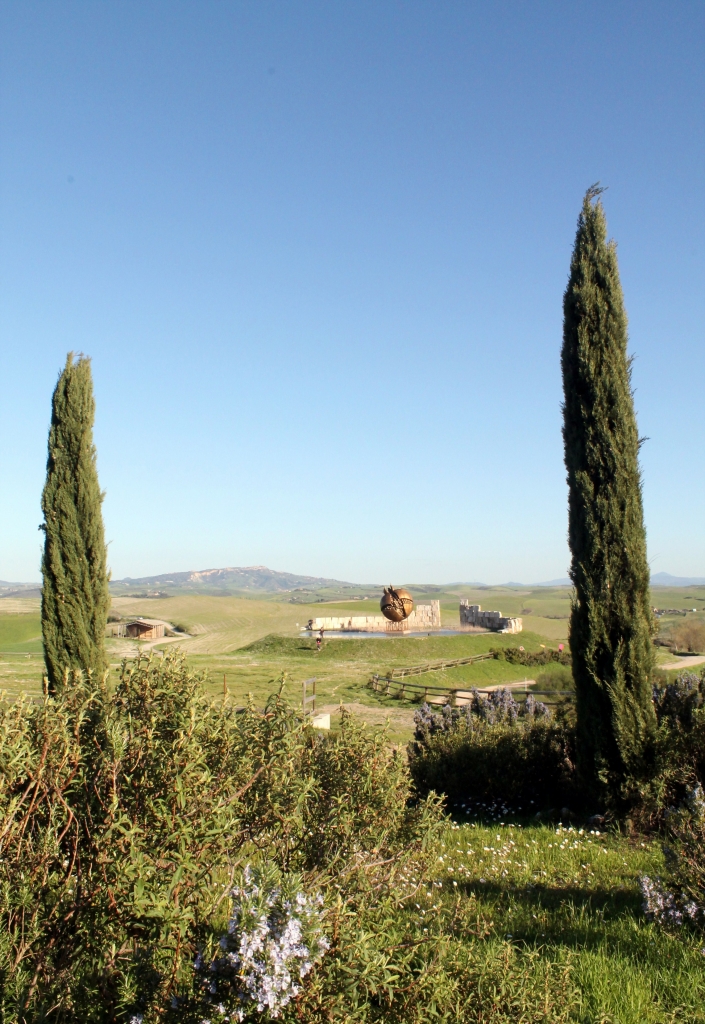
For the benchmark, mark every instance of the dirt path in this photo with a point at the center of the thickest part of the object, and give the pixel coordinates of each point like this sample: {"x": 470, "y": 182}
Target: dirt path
{"x": 463, "y": 697}
{"x": 695, "y": 659}
{"x": 402, "y": 719}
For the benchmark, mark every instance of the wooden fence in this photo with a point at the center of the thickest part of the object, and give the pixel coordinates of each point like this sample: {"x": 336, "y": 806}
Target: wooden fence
{"x": 437, "y": 666}
{"x": 419, "y": 691}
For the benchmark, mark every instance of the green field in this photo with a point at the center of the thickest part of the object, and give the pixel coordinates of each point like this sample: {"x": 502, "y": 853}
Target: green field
{"x": 563, "y": 900}
{"x": 21, "y": 664}
{"x": 250, "y": 642}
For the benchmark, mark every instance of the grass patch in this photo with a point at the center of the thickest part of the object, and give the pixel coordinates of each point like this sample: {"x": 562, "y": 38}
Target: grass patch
{"x": 343, "y": 667}
{"x": 16, "y": 631}
{"x": 571, "y": 896}
{"x": 21, "y": 650}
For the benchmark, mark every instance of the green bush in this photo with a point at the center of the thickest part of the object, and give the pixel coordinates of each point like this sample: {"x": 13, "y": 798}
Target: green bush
{"x": 680, "y": 900}
{"x": 546, "y": 656}
{"x": 151, "y": 837}
{"x": 492, "y": 752}
{"x": 128, "y": 817}
{"x": 495, "y": 755}
{"x": 679, "y": 755}
{"x": 555, "y": 677}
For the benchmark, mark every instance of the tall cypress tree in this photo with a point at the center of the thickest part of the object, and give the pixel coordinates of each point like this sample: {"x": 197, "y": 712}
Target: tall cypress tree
{"x": 75, "y": 597}
{"x": 611, "y": 622}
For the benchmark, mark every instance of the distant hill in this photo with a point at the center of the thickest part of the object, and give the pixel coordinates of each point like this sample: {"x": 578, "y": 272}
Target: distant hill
{"x": 258, "y": 579}
{"x": 250, "y": 579}
{"x": 19, "y": 589}
{"x": 659, "y": 579}
{"x": 664, "y": 579}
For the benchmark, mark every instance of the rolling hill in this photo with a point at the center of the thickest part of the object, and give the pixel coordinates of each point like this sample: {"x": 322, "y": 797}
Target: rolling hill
{"x": 253, "y": 579}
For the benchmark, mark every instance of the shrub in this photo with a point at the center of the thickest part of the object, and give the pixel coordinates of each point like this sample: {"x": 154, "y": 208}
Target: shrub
{"x": 546, "y": 656}
{"x": 680, "y": 900}
{"x": 555, "y": 677}
{"x": 689, "y": 636}
{"x": 128, "y": 817}
{"x": 274, "y": 938}
{"x": 678, "y": 703}
{"x": 678, "y": 755}
{"x": 495, "y": 750}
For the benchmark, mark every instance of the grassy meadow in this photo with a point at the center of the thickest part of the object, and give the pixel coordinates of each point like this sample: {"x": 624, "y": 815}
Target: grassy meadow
{"x": 248, "y": 643}
{"x": 546, "y": 901}
{"x": 566, "y": 900}
{"x": 21, "y": 651}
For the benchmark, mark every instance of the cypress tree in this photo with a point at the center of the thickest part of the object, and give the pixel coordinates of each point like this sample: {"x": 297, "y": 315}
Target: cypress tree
{"x": 611, "y": 621}
{"x": 75, "y": 597}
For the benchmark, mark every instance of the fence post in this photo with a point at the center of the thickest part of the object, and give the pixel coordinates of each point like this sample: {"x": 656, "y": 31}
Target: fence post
{"x": 309, "y": 699}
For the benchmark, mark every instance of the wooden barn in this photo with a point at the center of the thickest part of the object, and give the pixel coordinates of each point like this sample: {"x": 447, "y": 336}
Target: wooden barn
{"x": 145, "y": 629}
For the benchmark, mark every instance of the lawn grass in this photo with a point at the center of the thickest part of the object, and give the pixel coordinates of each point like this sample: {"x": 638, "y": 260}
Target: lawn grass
{"x": 567, "y": 896}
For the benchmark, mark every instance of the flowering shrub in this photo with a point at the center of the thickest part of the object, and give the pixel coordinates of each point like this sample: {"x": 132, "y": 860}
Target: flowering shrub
{"x": 677, "y": 703}
{"x": 274, "y": 938}
{"x": 494, "y": 749}
{"x": 665, "y": 908}
{"x": 535, "y": 708}
{"x": 495, "y": 708}
{"x": 684, "y": 899}
{"x": 127, "y": 813}
{"x": 679, "y": 750}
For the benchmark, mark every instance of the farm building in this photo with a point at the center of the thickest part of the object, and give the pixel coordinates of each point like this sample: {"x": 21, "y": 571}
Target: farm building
{"x": 145, "y": 629}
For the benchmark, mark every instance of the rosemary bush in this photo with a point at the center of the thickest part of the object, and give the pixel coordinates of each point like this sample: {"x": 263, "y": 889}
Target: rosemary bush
{"x": 128, "y": 819}
{"x": 495, "y": 750}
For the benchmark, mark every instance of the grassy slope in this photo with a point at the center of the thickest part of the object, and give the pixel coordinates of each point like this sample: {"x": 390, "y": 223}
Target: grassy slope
{"x": 573, "y": 898}
{"x": 21, "y": 663}
{"x": 342, "y": 668}
{"x": 225, "y": 625}
{"x": 562, "y": 897}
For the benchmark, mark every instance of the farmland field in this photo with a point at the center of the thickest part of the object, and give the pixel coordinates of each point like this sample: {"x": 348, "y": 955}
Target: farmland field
{"x": 542, "y": 899}
{"x": 248, "y": 643}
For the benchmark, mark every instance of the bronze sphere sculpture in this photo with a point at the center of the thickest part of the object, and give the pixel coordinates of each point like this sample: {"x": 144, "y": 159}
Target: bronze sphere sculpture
{"x": 396, "y": 604}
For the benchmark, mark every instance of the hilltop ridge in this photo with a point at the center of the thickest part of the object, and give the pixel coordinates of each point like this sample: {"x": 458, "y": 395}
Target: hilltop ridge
{"x": 231, "y": 579}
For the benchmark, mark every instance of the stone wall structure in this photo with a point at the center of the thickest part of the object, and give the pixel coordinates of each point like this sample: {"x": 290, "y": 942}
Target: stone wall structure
{"x": 424, "y": 617}
{"x": 473, "y": 615}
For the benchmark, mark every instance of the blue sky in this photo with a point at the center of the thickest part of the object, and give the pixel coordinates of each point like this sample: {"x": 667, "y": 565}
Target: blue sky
{"x": 317, "y": 253}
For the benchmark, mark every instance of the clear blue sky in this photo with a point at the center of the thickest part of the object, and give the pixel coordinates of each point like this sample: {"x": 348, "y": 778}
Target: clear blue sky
{"x": 317, "y": 251}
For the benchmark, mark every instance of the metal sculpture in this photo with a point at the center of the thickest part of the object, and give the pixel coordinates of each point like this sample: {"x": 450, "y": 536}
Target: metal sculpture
{"x": 396, "y": 604}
